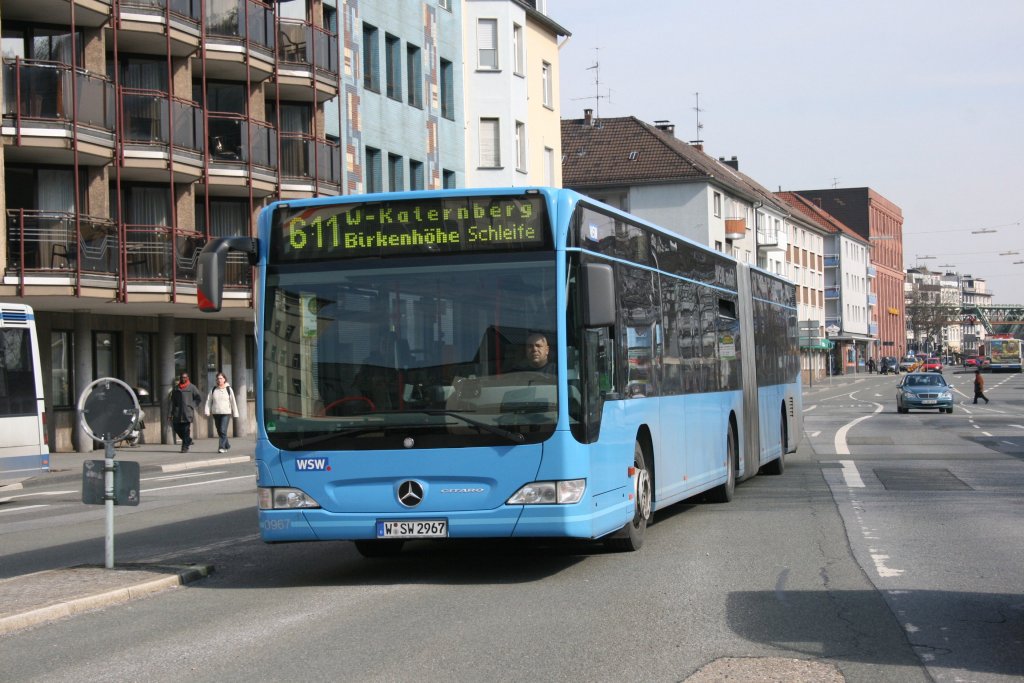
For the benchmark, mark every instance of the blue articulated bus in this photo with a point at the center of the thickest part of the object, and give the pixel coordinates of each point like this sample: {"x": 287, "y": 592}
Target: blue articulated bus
{"x": 503, "y": 363}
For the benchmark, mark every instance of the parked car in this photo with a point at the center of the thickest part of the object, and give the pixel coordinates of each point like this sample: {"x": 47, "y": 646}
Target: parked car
{"x": 932, "y": 365}
{"x": 907, "y": 363}
{"x": 887, "y": 365}
{"x": 924, "y": 391}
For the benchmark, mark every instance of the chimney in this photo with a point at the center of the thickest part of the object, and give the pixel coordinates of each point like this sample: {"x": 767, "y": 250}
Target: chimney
{"x": 666, "y": 127}
{"x": 697, "y": 145}
{"x": 588, "y": 117}
{"x": 734, "y": 162}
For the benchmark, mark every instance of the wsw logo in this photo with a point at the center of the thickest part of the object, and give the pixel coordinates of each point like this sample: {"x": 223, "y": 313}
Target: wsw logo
{"x": 313, "y": 464}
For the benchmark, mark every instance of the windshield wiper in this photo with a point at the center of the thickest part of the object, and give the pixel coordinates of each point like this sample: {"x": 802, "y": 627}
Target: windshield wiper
{"x": 493, "y": 429}
{"x": 320, "y": 438}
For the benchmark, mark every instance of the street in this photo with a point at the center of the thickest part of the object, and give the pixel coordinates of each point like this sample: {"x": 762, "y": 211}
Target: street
{"x": 889, "y": 549}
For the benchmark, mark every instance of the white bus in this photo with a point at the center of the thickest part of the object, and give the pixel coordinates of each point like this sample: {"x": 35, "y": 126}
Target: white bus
{"x": 24, "y": 447}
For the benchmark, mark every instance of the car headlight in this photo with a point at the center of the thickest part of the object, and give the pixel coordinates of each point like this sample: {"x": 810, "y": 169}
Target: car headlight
{"x": 908, "y": 394}
{"x": 284, "y": 499}
{"x": 946, "y": 394}
{"x": 550, "y": 492}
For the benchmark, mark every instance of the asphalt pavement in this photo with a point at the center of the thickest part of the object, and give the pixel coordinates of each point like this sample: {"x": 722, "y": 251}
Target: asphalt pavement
{"x": 35, "y": 599}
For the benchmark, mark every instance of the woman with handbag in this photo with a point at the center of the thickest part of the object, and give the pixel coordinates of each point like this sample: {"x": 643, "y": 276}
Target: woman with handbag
{"x": 221, "y": 405}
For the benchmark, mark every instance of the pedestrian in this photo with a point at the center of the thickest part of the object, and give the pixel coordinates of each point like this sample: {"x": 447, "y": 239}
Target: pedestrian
{"x": 979, "y": 387}
{"x": 871, "y": 366}
{"x": 221, "y": 405}
{"x": 185, "y": 399}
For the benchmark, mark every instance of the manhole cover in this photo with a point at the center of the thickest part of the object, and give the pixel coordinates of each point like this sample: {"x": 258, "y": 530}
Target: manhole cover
{"x": 920, "y": 480}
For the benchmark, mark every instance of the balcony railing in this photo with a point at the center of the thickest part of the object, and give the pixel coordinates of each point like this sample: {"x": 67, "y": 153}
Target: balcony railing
{"x": 300, "y": 42}
{"x": 36, "y": 89}
{"x": 243, "y": 20}
{"x": 303, "y": 156}
{"x": 234, "y": 138}
{"x": 872, "y": 299}
{"x": 147, "y": 119}
{"x": 158, "y": 254}
{"x": 52, "y": 241}
{"x": 832, "y": 292}
{"x": 831, "y": 260}
{"x": 187, "y": 9}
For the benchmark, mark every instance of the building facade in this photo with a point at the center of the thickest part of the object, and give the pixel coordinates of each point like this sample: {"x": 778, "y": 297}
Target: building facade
{"x": 880, "y": 222}
{"x": 513, "y": 129}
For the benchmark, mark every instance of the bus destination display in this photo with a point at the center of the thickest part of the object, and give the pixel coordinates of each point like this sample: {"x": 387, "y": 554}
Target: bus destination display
{"x": 409, "y": 227}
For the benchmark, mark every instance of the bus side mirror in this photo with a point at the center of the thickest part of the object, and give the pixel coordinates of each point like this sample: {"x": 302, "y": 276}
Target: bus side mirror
{"x": 212, "y": 264}
{"x": 598, "y": 295}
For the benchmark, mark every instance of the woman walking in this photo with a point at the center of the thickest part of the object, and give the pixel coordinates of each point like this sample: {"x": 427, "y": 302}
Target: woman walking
{"x": 979, "y": 387}
{"x": 221, "y": 405}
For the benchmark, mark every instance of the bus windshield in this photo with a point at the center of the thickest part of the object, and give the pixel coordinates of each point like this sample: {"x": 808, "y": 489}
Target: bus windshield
{"x": 415, "y": 352}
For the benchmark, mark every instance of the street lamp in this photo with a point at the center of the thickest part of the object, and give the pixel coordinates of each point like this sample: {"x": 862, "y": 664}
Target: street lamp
{"x": 1009, "y": 253}
{"x": 983, "y": 231}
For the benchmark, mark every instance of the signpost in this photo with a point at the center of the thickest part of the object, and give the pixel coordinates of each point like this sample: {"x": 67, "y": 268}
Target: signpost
{"x": 109, "y": 411}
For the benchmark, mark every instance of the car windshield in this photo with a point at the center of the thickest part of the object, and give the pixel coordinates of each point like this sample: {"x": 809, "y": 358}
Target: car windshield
{"x": 924, "y": 381}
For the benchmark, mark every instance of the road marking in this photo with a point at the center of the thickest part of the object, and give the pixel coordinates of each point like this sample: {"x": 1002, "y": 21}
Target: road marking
{"x": 815, "y": 434}
{"x": 986, "y": 434}
{"x": 187, "y": 475}
{"x": 1018, "y": 426}
{"x": 884, "y": 571}
{"x": 1009, "y": 442}
{"x": 851, "y": 475}
{"x": 198, "y": 483}
{"x": 22, "y": 509}
{"x": 807, "y": 410}
{"x": 840, "y": 440}
{"x": 41, "y": 493}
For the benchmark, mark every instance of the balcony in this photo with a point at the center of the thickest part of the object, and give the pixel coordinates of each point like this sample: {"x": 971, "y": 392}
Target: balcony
{"x": 240, "y": 41}
{"x": 243, "y": 154}
{"x": 307, "y": 62}
{"x": 872, "y": 299}
{"x": 735, "y": 228}
{"x": 88, "y": 13}
{"x": 831, "y": 260}
{"x": 872, "y": 271}
{"x": 309, "y": 166}
{"x": 51, "y": 248}
{"x": 873, "y": 329}
{"x": 831, "y": 293}
{"x": 159, "y": 130}
{"x": 153, "y": 26}
{"x": 47, "y": 105}
{"x": 771, "y": 241}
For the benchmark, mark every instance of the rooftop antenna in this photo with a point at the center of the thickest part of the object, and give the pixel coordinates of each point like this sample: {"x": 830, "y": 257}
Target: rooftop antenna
{"x": 700, "y": 125}
{"x": 835, "y": 183}
{"x": 597, "y": 97}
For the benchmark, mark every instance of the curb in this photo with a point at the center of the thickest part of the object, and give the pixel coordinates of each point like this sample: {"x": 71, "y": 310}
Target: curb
{"x": 199, "y": 464}
{"x": 85, "y": 603}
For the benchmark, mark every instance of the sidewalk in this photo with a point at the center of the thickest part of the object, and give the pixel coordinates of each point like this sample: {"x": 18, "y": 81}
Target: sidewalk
{"x": 34, "y": 599}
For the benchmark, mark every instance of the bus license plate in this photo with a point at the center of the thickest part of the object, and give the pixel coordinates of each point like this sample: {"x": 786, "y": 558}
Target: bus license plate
{"x": 418, "y": 528}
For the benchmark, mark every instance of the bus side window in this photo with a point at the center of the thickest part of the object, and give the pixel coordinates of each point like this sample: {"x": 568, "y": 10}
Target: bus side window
{"x": 598, "y": 377}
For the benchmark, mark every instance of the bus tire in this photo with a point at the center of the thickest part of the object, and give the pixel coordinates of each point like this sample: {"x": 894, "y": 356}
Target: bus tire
{"x": 778, "y": 466}
{"x": 631, "y": 536}
{"x": 723, "y": 493}
{"x": 384, "y": 548}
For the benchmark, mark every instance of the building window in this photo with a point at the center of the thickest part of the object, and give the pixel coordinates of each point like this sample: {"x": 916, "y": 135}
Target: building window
{"x": 393, "y": 66}
{"x": 546, "y": 80}
{"x": 371, "y": 59}
{"x": 416, "y": 177}
{"x": 145, "y": 368}
{"x": 184, "y": 356}
{"x": 549, "y": 166}
{"x": 447, "y": 85}
{"x": 445, "y": 4}
{"x": 414, "y": 75}
{"x": 520, "y": 146}
{"x": 487, "y": 44}
{"x": 718, "y": 205}
{"x": 519, "y": 47}
{"x": 448, "y": 180}
{"x": 105, "y": 354}
{"x": 62, "y": 379}
{"x": 396, "y": 183}
{"x": 374, "y": 181}
{"x": 490, "y": 143}
{"x": 218, "y": 359}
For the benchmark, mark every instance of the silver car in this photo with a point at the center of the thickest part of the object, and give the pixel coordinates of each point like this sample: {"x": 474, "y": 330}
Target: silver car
{"x": 924, "y": 391}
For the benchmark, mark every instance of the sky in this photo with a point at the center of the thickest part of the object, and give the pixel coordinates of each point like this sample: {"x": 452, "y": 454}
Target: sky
{"x": 920, "y": 100}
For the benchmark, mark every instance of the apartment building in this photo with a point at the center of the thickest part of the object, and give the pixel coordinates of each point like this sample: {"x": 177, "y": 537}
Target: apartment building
{"x": 879, "y": 221}
{"x": 513, "y": 124}
{"x": 133, "y": 131}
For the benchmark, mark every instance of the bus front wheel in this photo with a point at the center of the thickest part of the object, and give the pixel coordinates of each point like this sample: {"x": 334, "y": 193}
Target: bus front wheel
{"x": 631, "y": 536}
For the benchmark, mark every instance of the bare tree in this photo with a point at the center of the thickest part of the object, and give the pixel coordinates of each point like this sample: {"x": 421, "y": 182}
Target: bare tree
{"x": 927, "y": 315}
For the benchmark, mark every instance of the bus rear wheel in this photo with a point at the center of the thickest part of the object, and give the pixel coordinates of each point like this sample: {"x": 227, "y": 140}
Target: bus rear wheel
{"x": 723, "y": 493}
{"x": 631, "y": 536}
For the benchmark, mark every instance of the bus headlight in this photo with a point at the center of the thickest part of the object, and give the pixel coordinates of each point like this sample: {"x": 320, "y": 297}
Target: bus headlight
{"x": 550, "y": 492}
{"x": 284, "y": 499}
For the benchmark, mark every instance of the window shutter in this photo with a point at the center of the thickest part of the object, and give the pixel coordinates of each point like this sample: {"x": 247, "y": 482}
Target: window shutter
{"x": 490, "y": 148}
